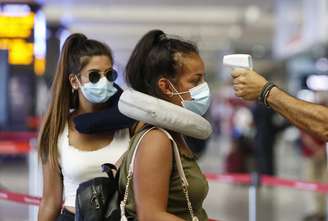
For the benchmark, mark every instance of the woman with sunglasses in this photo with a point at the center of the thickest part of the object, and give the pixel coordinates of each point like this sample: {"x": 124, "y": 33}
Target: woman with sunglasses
{"x": 83, "y": 83}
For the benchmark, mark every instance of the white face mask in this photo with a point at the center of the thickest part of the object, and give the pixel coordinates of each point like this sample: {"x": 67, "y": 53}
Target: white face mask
{"x": 200, "y": 101}
{"x": 99, "y": 92}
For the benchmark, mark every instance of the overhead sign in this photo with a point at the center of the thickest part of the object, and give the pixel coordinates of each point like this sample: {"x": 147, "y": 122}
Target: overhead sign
{"x": 22, "y": 33}
{"x": 18, "y": 26}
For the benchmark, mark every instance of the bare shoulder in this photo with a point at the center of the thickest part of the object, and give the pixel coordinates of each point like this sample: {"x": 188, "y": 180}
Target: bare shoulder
{"x": 151, "y": 177}
{"x": 155, "y": 147}
{"x": 157, "y": 139}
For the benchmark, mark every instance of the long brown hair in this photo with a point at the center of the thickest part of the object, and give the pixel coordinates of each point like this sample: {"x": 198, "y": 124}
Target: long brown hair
{"x": 76, "y": 53}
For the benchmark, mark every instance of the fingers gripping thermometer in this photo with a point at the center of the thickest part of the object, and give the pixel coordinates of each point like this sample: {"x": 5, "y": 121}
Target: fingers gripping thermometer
{"x": 238, "y": 61}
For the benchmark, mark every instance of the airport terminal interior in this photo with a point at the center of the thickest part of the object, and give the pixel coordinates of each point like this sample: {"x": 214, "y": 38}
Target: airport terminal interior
{"x": 258, "y": 165}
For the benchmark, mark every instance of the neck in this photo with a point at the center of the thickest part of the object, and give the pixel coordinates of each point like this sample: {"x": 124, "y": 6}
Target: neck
{"x": 182, "y": 144}
{"x": 86, "y": 107}
{"x": 178, "y": 138}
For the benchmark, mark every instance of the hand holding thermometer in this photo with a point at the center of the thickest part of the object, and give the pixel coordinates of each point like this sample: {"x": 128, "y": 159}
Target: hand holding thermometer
{"x": 238, "y": 61}
{"x": 247, "y": 84}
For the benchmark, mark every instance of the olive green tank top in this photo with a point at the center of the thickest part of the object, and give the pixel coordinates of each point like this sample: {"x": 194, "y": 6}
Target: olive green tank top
{"x": 177, "y": 204}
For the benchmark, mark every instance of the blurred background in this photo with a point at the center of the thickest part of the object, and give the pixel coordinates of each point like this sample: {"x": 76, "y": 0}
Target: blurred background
{"x": 288, "y": 40}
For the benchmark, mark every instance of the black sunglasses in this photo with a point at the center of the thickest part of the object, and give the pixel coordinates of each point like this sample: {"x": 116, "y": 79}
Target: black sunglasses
{"x": 94, "y": 76}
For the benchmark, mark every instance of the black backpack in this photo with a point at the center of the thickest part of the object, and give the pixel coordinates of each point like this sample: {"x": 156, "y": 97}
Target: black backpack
{"x": 98, "y": 199}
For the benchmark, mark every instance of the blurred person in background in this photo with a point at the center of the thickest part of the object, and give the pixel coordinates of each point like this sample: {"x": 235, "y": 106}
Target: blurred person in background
{"x": 310, "y": 117}
{"x": 239, "y": 158}
{"x": 314, "y": 151}
{"x": 268, "y": 124}
{"x": 83, "y": 83}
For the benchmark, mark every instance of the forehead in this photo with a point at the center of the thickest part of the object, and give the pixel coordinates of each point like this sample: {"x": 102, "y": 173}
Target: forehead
{"x": 100, "y": 62}
{"x": 191, "y": 65}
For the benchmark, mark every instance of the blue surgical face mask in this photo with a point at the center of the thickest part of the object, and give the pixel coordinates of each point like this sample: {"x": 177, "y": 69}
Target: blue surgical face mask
{"x": 99, "y": 92}
{"x": 200, "y": 98}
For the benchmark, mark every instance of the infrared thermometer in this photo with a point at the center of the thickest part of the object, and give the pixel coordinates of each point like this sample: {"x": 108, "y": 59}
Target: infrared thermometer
{"x": 238, "y": 61}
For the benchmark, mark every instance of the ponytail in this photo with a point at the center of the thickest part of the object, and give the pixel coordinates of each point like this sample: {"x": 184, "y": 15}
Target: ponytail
{"x": 154, "y": 57}
{"x": 135, "y": 68}
{"x": 76, "y": 51}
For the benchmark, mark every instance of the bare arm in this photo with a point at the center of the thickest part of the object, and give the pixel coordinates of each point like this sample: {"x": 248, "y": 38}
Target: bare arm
{"x": 307, "y": 116}
{"x": 153, "y": 167}
{"x": 51, "y": 201}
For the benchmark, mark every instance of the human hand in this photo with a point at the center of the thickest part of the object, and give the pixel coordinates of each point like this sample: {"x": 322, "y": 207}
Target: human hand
{"x": 247, "y": 84}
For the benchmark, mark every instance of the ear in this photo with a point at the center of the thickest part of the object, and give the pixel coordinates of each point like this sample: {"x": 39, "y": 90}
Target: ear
{"x": 74, "y": 82}
{"x": 165, "y": 86}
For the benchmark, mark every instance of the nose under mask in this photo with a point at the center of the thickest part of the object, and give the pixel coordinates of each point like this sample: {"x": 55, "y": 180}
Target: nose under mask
{"x": 99, "y": 92}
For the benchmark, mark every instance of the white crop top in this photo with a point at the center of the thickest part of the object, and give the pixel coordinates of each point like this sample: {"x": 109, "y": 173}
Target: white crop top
{"x": 78, "y": 166}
